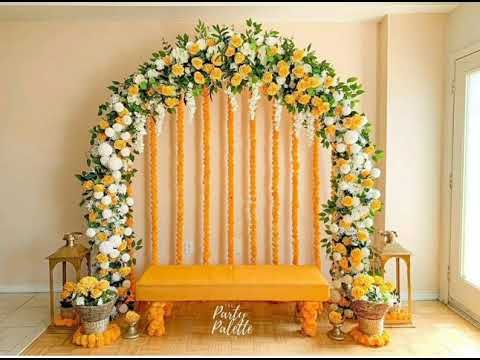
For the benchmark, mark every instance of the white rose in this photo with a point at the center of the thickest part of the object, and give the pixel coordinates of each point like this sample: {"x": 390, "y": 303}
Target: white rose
{"x": 355, "y": 148}
{"x": 105, "y": 265}
{"x": 368, "y": 222}
{"x": 202, "y": 44}
{"x": 271, "y": 41}
{"x": 280, "y": 80}
{"x": 105, "y": 149}
{"x": 350, "y": 137}
{"x": 343, "y": 186}
{"x": 125, "y": 152}
{"x": 329, "y": 120}
{"x": 113, "y": 188}
{"x": 127, "y": 120}
{"x": 100, "y": 301}
{"x": 368, "y": 165}
{"x": 116, "y": 240}
{"x": 356, "y": 202}
{"x": 340, "y": 148}
{"x": 346, "y": 110}
{"x": 90, "y": 232}
{"x": 337, "y": 256}
{"x": 117, "y": 175}
{"x": 114, "y": 253}
{"x": 107, "y": 213}
{"x": 116, "y": 277}
{"x": 123, "y": 209}
{"x": 125, "y": 136}
{"x": 109, "y": 132}
{"x": 126, "y": 284}
{"x": 105, "y": 247}
{"x": 118, "y": 107}
{"x": 345, "y": 169}
{"x": 128, "y": 231}
{"x": 129, "y": 201}
{"x": 117, "y": 127}
{"x": 365, "y": 252}
{"x": 138, "y": 79}
{"x": 106, "y": 200}
{"x": 80, "y": 301}
{"x": 159, "y": 64}
{"x": 98, "y": 195}
{"x": 334, "y": 228}
{"x": 115, "y": 163}
{"x": 307, "y": 68}
{"x": 125, "y": 257}
{"x": 338, "y": 95}
{"x": 122, "y": 189}
{"x": 151, "y": 73}
{"x": 104, "y": 160}
{"x": 375, "y": 173}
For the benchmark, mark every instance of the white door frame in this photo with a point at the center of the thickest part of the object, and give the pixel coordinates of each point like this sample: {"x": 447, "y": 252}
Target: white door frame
{"x": 447, "y": 152}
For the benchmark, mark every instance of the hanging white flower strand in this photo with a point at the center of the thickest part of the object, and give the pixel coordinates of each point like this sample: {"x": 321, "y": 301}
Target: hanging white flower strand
{"x": 233, "y": 99}
{"x": 278, "y": 114}
{"x": 310, "y": 128}
{"x": 160, "y": 117}
{"x": 252, "y": 104}
{"x": 297, "y": 124}
{"x": 190, "y": 104}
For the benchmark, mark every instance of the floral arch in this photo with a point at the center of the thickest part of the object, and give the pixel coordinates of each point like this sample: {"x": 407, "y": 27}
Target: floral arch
{"x": 262, "y": 62}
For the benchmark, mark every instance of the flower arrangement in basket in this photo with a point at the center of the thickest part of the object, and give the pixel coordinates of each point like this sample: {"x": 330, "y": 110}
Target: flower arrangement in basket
{"x": 68, "y": 317}
{"x": 372, "y": 297}
{"x": 93, "y": 300}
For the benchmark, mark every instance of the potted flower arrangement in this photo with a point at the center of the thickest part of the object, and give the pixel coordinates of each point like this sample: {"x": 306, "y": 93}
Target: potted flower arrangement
{"x": 66, "y": 301}
{"x": 93, "y": 300}
{"x": 372, "y": 297}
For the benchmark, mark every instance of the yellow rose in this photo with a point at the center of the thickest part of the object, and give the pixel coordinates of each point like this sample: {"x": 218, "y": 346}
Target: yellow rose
{"x": 245, "y": 70}
{"x": 299, "y": 72}
{"x": 92, "y": 216}
{"x": 387, "y": 287}
{"x": 340, "y": 248}
{"x": 108, "y": 179}
{"x": 239, "y": 58}
{"x": 369, "y": 150}
{"x": 124, "y": 271}
{"x": 167, "y": 90}
{"x": 208, "y": 68}
{"x": 194, "y": 49}
{"x": 358, "y": 292}
{"x": 122, "y": 246}
{"x": 103, "y": 285}
{"x": 197, "y": 63}
{"x": 230, "y": 51}
{"x": 347, "y": 201}
{"x": 217, "y": 60}
{"x": 272, "y": 89}
{"x": 267, "y": 77}
{"x": 350, "y": 178}
{"x": 120, "y": 144}
{"x": 168, "y": 60}
{"x": 104, "y": 124}
{"x": 171, "y": 102}
{"x": 236, "y": 41}
{"x": 362, "y": 235}
{"x": 302, "y": 85}
{"x": 69, "y": 286}
{"x": 328, "y": 82}
{"x": 82, "y": 290}
{"x": 272, "y": 51}
{"x": 298, "y": 55}
{"x": 365, "y": 173}
{"x": 376, "y": 205}
{"x": 102, "y": 236}
{"x": 236, "y": 79}
{"x": 102, "y": 272}
{"x": 335, "y": 317}
{"x": 96, "y": 293}
{"x": 304, "y": 99}
{"x": 356, "y": 255}
{"x": 65, "y": 294}
{"x": 216, "y": 74}
{"x": 378, "y": 280}
{"x": 331, "y": 130}
{"x": 314, "y": 82}
{"x": 133, "y": 90}
{"x": 283, "y": 68}
{"x": 178, "y": 70}
{"x": 368, "y": 183}
{"x": 99, "y": 188}
{"x": 199, "y": 78}
{"x": 344, "y": 263}
{"x": 88, "y": 185}
{"x": 290, "y": 99}
{"x": 211, "y": 42}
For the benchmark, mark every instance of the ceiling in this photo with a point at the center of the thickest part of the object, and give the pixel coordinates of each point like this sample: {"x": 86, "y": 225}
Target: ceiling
{"x": 219, "y": 12}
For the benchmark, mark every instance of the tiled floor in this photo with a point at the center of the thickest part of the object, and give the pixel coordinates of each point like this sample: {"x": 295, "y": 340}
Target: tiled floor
{"x": 439, "y": 332}
{"x": 23, "y": 317}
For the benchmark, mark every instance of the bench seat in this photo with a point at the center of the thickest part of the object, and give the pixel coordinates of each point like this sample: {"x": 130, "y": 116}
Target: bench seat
{"x": 170, "y": 283}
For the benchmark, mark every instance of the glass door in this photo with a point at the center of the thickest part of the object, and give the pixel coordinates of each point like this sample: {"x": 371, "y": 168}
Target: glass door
{"x": 464, "y": 272}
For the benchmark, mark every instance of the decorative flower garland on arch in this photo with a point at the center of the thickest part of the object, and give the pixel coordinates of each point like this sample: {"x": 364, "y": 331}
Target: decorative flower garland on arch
{"x": 258, "y": 60}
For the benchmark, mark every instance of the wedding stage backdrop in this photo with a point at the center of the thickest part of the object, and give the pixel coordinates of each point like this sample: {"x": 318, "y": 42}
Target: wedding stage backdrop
{"x": 258, "y": 63}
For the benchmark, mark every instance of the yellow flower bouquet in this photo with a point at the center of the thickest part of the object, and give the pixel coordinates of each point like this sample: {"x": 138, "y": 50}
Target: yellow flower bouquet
{"x": 90, "y": 291}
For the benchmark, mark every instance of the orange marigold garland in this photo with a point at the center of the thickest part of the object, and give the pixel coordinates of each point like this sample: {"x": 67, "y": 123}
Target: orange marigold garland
{"x": 179, "y": 253}
{"x": 206, "y": 175}
{"x": 152, "y": 138}
{"x": 231, "y": 183}
{"x": 295, "y": 195}
{"x": 275, "y": 191}
{"x": 367, "y": 340}
{"x": 316, "y": 199}
{"x": 253, "y": 190}
{"x": 97, "y": 340}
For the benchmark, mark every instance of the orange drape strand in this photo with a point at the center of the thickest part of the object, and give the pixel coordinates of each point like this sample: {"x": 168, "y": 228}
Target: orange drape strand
{"x": 275, "y": 192}
{"x": 316, "y": 199}
{"x": 231, "y": 184}
{"x": 179, "y": 255}
{"x": 152, "y": 138}
{"x": 253, "y": 189}
{"x": 295, "y": 168}
{"x": 206, "y": 176}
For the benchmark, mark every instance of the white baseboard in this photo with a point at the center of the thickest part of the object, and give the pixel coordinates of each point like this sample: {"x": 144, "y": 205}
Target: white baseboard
{"x": 422, "y": 296}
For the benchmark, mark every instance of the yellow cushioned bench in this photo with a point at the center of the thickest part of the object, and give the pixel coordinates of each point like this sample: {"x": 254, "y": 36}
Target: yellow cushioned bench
{"x": 303, "y": 284}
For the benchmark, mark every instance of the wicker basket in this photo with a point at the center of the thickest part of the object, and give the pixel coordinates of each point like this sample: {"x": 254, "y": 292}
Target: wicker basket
{"x": 95, "y": 319}
{"x": 370, "y": 316}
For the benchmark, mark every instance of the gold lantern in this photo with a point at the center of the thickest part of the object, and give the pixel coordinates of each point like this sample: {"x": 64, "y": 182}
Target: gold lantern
{"x": 72, "y": 253}
{"x": 390, "y": 248}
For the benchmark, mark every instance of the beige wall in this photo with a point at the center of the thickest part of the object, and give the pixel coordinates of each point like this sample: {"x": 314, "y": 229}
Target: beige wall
{"x": 463, "y": 27}
{"x": 54, "y": 75}
{"x": 415, "y": 110}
